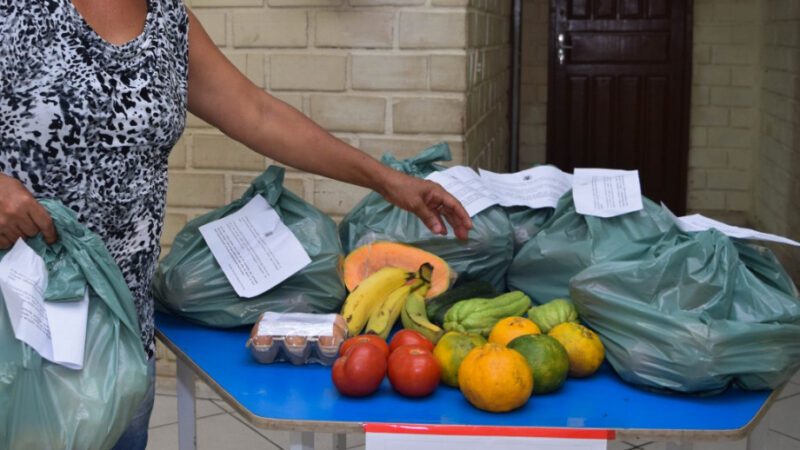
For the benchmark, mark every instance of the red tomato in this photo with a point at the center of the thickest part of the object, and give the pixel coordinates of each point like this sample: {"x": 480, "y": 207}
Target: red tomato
{"x": 373, "y": 339}
{"x": 413, "y": 371}
{"x": 359, "y": 372}
{"x": 409, "y": 337}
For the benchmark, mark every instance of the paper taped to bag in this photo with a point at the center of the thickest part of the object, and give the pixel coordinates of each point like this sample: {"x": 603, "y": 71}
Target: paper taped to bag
{"x": 465, "y": 185}
{"x": 697, "y": 222}
{"x": 254, "y": 248}
{"x": 606, "y": 192}
{"x": 57, "y": 331}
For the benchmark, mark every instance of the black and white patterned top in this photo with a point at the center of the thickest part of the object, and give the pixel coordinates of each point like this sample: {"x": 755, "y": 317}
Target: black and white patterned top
{"x": 92, "y": 124}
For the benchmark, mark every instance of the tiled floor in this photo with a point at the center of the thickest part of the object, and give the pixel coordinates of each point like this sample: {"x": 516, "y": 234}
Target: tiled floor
{"x": 219, "y": 427}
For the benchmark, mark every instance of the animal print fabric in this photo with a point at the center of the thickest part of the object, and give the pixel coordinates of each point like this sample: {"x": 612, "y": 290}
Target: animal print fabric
{"x": 92, "y": 124}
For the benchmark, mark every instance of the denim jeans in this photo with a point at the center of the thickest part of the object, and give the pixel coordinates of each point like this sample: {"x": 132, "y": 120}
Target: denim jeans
{"x": 135, "y": 436}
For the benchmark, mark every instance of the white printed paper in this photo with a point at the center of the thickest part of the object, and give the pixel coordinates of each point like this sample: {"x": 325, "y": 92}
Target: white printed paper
{"x": 465, "y": 188}
{"x": 606, "y": 192}
{"x": 57, "y": 331}
{"x": 296, "y": 324}
{"x": 697, "y": 222}
{"x": 254, "y": 248}
{"x": 538, "y": 187}
{"x": 396, "y": 441}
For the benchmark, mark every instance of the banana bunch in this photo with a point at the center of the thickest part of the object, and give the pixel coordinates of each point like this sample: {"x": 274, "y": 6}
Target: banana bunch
{"x": 415, "y": 317}
{"x": 373, "y": 302}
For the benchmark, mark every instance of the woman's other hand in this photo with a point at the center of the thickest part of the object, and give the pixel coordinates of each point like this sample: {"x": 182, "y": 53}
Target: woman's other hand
{"x": 21, "y": 215}
{"x": 429, "y": 201}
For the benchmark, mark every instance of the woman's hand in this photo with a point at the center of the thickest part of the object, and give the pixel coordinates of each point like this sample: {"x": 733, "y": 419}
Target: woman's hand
{"x": 429, "y": 201}
{"x": 21, "y": 215}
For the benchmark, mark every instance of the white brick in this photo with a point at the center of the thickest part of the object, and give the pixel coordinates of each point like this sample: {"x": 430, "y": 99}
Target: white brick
{"x": 405, "y": 148}
{"x": 449, "y": 73}
{"x": 349, "y": 113}
{"x": 214, "y": 24}
{"x": 173, "y": 223}
{"x": 389, "y": 72}
{"x": 354, "y": 29}
{"x": 433, "y": 30}
{"x": 222, "y": 3}
{"x": 334, "y": 197}
{"x": 308, "y": 72}
{"x": 250, "y": 64}
{"x": 428, "y": 115}
{"x": 709, "y": 116}
{"x": 386, "y": 2}
{"x": 301, "y": 3}
{"x": 728, "y": 180}
{"x": 177, "y": 157}
{"x": 196, "y": 190}
{"x": 732, "y": 96}
{"x": 706, "y": 200}
{"x": 276, "y": 28}
{"x": 222, "y": 152}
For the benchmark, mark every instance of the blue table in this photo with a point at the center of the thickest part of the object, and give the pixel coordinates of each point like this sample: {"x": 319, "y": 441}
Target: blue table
{"x": 303, "y": 398}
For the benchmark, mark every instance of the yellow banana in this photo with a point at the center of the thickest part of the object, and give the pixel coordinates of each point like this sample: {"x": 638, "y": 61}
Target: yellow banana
{"x": 368, "y": 295}
{"x": 382, "y": 320}
{"x": 415, "y": 317}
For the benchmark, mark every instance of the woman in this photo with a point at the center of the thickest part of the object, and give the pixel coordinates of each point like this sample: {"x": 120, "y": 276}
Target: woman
{"x": 93, "y": 97}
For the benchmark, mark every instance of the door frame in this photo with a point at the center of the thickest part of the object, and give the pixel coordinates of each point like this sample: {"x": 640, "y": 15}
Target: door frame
{"x": 686, "y": 96}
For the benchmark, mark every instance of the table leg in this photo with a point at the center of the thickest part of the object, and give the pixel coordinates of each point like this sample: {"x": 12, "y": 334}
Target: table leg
{"x": 339, "y": 441}
{"x": 301, "y": 440}
{"x": 187, "y": 432}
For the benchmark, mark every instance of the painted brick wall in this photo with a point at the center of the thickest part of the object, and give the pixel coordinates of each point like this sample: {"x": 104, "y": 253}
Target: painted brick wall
{"x": 384, "y": 75}
{"x": 777, "y": 178}
{"x": 724, "y": 101}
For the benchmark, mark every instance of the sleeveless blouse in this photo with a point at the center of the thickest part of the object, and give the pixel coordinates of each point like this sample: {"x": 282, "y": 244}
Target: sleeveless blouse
{"x": 92, "y": 124}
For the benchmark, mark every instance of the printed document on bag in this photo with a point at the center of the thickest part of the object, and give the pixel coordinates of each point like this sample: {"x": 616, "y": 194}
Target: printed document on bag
{"x": 697, "y": 222}
{"x": 57, "y": 331}
{"x": 466, "y": 186}
{"x": 537, "y": 187}
{"x": 254, "y": 248}
{"x": 606, "y": 192}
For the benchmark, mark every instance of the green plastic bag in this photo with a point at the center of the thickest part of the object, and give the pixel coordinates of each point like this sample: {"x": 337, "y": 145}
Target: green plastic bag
{"x": 570, "y": 242}
{"x": 527, "y": 223}
{"x": 45, "y": 405}
{"x": 189, "y": 282}
{"x": 696, "y": 317}
{"x": 485, "y": 255}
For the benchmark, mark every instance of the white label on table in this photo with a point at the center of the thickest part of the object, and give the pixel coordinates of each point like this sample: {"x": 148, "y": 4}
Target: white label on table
{"x": 254, "y": 248}
{"x": 606, "y": 192}
{"x": 475, "y": 438}
{"x": 537, "y": 187}
{"x": 57, "y": 331}
{"x": 696, "y": 222}
{"x": 466, "y": 188}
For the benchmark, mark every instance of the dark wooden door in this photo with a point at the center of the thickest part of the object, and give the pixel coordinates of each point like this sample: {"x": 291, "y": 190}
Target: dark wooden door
{"x": 619, "y": 90}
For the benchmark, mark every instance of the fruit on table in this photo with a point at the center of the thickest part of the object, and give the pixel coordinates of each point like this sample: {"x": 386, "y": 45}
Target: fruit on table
{"x": 360, "y": 371}
{"x": 495, "y": 378}
{"x": 552, "y": 313}
{"x": 547, "y": 359}
{"x": 415, "y": 318}
{"x": 451, "y": 350}
{"x": 368, "y": 259}
{"x": 478, "y": 315}
{"x": 413, "y": 371}
{"x": 373, "y": 339}
{"x": 585, "y": 350}
{"x": 409, "y": 337}
{"x": 383, "y": 318}
{"x": 505, "y": 330}
{"x": 436, "y": 307}
{"x": 358, "y": 306}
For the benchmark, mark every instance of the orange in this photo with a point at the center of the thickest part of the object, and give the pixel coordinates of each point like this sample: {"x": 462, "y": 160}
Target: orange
{"x": 506, "y": 330}
{"x": 451, "y": 350}
{"x": 494, "y": 378}
{"x": 583, "y": 346}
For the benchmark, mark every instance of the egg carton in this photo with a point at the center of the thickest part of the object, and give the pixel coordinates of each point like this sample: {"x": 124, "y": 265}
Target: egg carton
{"x": 299, "y": 338}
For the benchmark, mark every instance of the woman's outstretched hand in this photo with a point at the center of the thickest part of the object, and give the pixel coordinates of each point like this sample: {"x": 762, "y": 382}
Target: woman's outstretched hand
{"x": 429, "y": 201}
{"x": 21, "y": 215}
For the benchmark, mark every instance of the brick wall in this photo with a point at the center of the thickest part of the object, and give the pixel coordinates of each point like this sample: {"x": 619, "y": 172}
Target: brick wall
{"x": 777, "y": 178}
{"x": 724, "y": 102}
{"x": 384, "y": 75}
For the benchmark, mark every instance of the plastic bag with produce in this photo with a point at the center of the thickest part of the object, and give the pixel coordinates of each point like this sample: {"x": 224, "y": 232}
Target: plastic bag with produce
{"x": 190, "y": 283}
{"x": 699, "y": 315}
{"x": 485, "y": 255}
{"x": 89, "y": 404}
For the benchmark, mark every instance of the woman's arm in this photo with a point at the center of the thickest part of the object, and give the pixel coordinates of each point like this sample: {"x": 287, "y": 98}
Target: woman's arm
{"x": 225, "y": 98}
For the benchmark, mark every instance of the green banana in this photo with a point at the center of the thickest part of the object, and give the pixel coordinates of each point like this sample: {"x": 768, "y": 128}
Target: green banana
{"x": 367, "y": 296}
{"x": 414, "y": 317}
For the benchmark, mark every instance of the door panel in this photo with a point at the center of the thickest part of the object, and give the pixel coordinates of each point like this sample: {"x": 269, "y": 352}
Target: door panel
{"x": 620, "y": 97}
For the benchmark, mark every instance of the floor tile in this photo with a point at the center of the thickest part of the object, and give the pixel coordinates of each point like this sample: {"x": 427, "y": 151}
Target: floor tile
{"x": 165, "y": 410}
{"x": 224, "y": 432}
{"x": 784, "y": 416}
{"x": 166, "y": 385}
{"x": 789, "y": 390}
{"x": 163, "y": 438}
